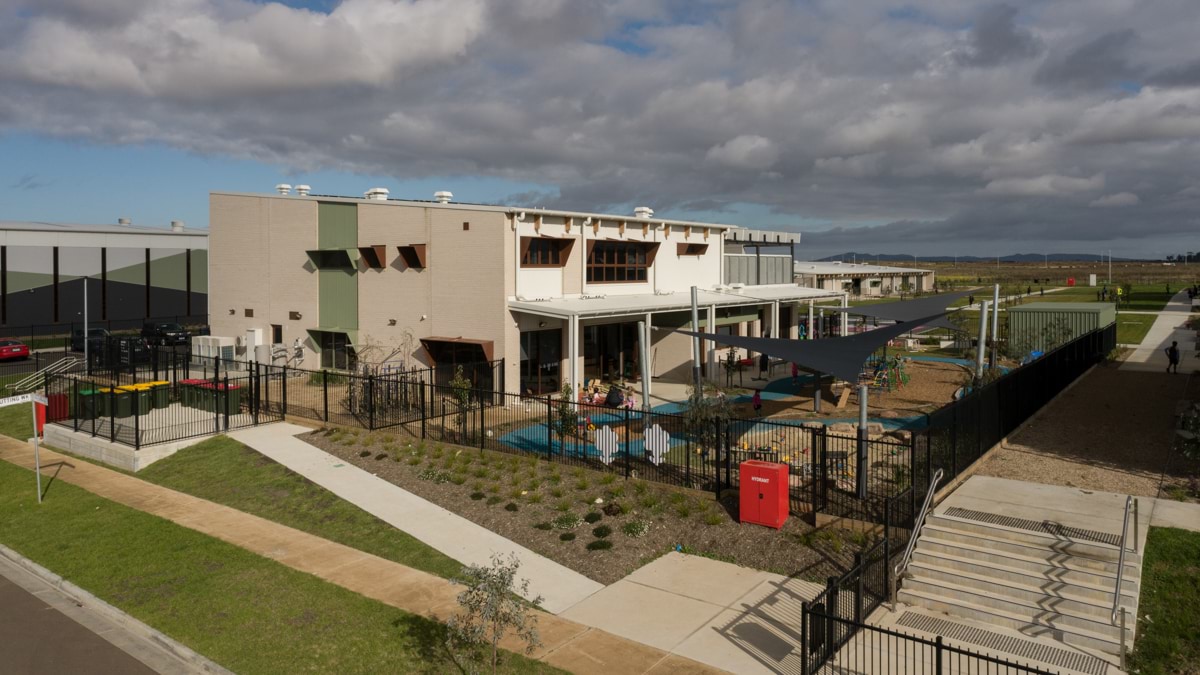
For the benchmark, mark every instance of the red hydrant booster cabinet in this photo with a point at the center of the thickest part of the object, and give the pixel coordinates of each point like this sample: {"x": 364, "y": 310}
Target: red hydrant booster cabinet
{"x": 763, "y": 497}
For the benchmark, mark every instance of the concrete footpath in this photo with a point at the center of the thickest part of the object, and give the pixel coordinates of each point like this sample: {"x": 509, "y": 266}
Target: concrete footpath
{"x": 457, "y": 537}
{"x": 1171, "y": 325}
{"x": 566, "y": 644}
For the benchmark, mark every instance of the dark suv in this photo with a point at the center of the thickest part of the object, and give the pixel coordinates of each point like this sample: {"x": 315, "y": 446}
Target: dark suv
{"x": 164, "y": 333}
{"x": 96, "y": 338}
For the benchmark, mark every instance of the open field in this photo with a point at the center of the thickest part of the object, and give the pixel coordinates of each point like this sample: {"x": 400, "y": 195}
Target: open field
{"x": 1056, "y": 273}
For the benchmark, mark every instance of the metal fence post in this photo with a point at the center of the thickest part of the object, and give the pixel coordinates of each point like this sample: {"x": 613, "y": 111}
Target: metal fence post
{"x": 75, "y": 404}
{"x": 937, "y": 655}
{"x": 257, "y": 392}
{"x": 227, "y": 400}
{"x": 423, "y": 415}
{"x": 804, "y": 638}
{"x": 716, "y": 449}
{"x": 858, "y": 589}
{"x": 628, "y": 454}
{"x": 137, "y": 432}
{"x": 325, "y": 393}
{"x": 371, "y": 402}
{"x": 482, "y": 436}
{"x": 283, "y": 387}
{"x": 549, "y": 428}
{"x": 112, "y": 415}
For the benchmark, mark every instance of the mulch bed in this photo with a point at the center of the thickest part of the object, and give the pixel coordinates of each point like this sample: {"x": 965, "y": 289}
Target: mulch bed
{"x": 516, "y": 492}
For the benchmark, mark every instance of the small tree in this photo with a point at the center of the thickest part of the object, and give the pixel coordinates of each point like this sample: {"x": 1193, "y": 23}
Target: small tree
{"x": 460, "y": 390}
{"x": 492, "y": 608}
{"x": 702, "y": 413}
{"x": 566, "y": 416}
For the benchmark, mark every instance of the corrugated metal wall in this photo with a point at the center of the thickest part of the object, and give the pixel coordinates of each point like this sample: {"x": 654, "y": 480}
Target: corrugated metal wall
{"x": 744, "y": 269}
{"x": 1037, "y": 324}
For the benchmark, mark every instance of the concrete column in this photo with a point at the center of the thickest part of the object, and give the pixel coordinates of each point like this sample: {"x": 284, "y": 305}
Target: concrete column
{"x": 811, "y": 327}
{"x": 775, "y": 329}
{"x": 573, "y": 353}
{"x": 845, "y": 316}
{"x": 649, "y": 367}
{"x": 712, "y": 346}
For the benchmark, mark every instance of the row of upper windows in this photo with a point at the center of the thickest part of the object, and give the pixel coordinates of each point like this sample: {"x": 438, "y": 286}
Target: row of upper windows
{"x": 607, "y": 261}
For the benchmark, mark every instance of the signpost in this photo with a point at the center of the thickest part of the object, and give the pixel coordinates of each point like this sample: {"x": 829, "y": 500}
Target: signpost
{"x": 33, "y": 400}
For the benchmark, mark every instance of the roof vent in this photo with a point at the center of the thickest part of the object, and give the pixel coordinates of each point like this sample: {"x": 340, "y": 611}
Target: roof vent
{"x": 124, "y": 221}
{"x": 302, "y": 190}
{"x": 377, "y": 193}
{"x": 177, "y": 226}
{"x": 283, "y": 189}
{"x": 643, "y": 212}
{"x": 443, "y": 196}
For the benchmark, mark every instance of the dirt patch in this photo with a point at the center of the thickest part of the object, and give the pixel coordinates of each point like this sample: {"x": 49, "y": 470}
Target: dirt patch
{"x": 1111, "y": 432}
{"x": 535, "y": 503}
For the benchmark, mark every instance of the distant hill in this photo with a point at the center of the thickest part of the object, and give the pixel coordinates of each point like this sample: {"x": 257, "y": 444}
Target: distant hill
{"x": 1014, "y": 258}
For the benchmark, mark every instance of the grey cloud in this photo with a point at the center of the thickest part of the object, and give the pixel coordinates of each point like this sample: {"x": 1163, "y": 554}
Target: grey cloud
{"x": 840, "y": 115}
{"x": 1097, "y": 63}
{"x": 1185, "y": 75}
{"x": 996, "y": 39}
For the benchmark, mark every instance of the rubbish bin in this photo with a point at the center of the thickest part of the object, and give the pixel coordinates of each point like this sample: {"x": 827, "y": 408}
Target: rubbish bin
{"x": 160, "y": 393}
{"x": 88, "y": 404}
{"x": 189, "y": 392}
{"x": 140, "y": 398}
{"x": 115, "y": 403}
{"x": 231, "y": 399}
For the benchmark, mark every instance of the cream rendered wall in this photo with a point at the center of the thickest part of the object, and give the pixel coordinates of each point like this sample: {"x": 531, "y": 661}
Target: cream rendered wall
{"x": 396, "y": 291}
{"x": 469, "y": 282}
{"x": 258, "y": 262}
{"x": 679, "y": 273}
{"x": 547, "y": 282}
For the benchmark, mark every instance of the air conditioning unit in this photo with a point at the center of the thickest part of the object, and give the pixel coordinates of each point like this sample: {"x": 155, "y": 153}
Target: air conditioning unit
{"x": 264, "y": 354}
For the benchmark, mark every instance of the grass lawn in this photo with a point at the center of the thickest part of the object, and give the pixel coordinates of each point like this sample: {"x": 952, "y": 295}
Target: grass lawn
{"x": 248, "y": 613}
{"x": 1168, "y": 640}
{"x": 224, "y": 471}
{"x": 1132, "y": 328}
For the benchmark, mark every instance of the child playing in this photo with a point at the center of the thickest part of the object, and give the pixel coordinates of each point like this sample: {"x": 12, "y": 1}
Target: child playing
{"x": 795, "y": 376}
{"x": 757, "y": 403}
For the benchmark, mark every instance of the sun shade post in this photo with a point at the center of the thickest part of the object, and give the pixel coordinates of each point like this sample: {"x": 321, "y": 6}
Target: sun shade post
{"x": 860, "y": 472}
{"x": 696, "y": 342}
{"x": 982, "y": 344}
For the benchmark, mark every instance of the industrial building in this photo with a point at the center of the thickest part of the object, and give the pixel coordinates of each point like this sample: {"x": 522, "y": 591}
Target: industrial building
{"x": 862, "y": 279}
{"x": 555, "y": 295}
{"x": 133, "y": 273}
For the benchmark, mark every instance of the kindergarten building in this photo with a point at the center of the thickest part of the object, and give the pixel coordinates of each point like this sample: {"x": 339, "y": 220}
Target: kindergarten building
{"x": 549, "y": 297}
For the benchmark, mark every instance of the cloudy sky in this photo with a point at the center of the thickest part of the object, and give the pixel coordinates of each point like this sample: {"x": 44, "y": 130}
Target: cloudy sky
{"x": 938, "y": 126}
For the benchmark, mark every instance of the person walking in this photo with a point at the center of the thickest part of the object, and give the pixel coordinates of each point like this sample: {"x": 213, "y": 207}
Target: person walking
{"x": 756, "y": 401}
{"x": 764, "y": 364}
{"x": 795, "y": 377}
{"x": 970, "y": 300}
{"x": 1173, "y": 358}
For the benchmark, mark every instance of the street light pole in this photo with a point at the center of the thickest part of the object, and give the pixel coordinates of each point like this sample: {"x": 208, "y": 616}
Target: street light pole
{"x": 1110, "y": 265}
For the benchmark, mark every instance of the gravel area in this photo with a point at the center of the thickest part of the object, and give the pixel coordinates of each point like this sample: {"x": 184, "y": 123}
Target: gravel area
{"x": 1111, "y": 432}
{"x": 511, "y": 494}
{"x": 931, "y": 385}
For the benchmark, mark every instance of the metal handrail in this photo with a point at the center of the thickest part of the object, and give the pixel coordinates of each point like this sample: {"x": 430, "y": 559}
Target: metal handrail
{"x": 1130, "y": 503}
{"x": 916, "y": 532}
{"x": 35, "y": 378}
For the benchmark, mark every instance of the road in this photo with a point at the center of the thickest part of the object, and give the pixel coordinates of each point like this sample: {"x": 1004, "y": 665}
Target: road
{"x": 36, "y": 638}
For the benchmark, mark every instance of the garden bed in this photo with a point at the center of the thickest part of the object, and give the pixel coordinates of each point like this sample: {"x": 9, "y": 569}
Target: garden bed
{"x": 596, "y": 523}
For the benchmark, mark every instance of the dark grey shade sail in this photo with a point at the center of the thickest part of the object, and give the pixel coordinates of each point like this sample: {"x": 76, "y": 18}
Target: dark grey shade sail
{"x": 927, "y": 307}
{"x": 841, "y": 357}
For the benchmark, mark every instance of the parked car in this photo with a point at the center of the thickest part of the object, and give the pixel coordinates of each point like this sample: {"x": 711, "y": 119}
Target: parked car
{"x": 165, "y": 333}
{"x": 13, "y": 349}
{"x": 96, "y": 338}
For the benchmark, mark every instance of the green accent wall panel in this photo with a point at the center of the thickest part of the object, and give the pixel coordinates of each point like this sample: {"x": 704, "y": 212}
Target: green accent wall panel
{"x": 337, "y": 225}
{"x": 338, "y": 298}
{"x": 199, "y": 270}
{"x": 168, "y": 269}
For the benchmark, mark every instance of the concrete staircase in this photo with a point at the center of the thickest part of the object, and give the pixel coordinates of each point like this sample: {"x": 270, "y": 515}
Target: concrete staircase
{"x": 1043, "y": 584}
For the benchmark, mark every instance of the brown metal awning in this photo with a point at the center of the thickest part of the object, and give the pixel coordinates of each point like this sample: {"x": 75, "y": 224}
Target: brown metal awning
{"x": 413, "y": 255}
{"x": 441, "y": 345}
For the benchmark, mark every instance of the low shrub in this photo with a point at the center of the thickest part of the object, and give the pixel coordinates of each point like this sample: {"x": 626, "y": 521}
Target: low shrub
{"x": 600, "y": 545}
{"x": 581, "y": 485}
{"x": 567, "y": 536}
{"x": 458, "y": 479}
{"x": 683, "y": 510}
{"x": 713, "y": 519}
{"x": 614, "y": 509}
{"x": 492, "y": 501}
{"x": 602, "y": 531}
{"x": 434, "y": 476}
{"x": 543, "y": 526}
{"x": 567, "y": 521}
{"x": 413, "y": 461}
{"x": 563, "y": 505}
{"x": 365, "y": 453}
{"x": 557, "y": 493}
{"x": 534, "y": 498}
{"x": 592, "y": 517}
{"x": 608, "y": 479}
{"x": 477, "y": 496}
{"x": 636, "y": 528}
{"x": 511, "y": 507}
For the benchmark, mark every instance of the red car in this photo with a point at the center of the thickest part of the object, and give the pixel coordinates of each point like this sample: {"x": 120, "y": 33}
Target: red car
{"x": 12, "y": 349}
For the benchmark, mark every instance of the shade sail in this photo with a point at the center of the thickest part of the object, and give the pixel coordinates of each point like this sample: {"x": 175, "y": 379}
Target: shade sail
{"x": 929, "y": 307}
{"x": 841, "y": 357}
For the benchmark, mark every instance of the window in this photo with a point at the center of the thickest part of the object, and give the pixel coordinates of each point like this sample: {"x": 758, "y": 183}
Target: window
{"x": 413, "y": 255}
{"x": 692, "y": 249}
{"x": 619, "y": 262}
{"x": 249, "y": 314}
{"x": 542, "y": 253}
{"x": 336, "y": 351}
{"x": 276, "y": 334}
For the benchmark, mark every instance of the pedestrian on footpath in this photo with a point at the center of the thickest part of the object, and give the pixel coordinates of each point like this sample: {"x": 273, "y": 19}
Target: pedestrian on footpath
{"x": 1173, "y": 357}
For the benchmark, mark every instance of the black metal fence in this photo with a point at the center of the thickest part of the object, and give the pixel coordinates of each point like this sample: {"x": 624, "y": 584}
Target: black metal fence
{"x": 153, "y": 412}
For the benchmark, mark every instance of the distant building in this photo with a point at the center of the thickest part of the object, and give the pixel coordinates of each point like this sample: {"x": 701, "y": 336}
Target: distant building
{"x": 862, "y": 279}
{"x": 133, "y": 272}
{"x": 546, "y": 297}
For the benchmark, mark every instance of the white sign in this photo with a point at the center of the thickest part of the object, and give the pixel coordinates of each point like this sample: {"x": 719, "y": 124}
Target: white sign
{"x": 607, "y": 443}
{"x": 658, "y": 441}
{"x": 23, "y": 398}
